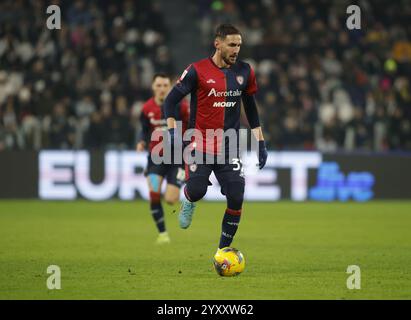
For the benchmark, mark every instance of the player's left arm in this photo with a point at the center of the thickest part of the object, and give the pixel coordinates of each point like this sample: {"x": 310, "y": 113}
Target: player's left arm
{"x": 250, "y": 108}
{"x": 184, "y": 86}
{"x": 144, "y": 135}
{"x": 185, "y": 113}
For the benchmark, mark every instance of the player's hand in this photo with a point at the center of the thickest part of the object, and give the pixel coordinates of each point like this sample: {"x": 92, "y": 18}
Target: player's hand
{"x": 141, "y": 146}
{"x": 174, "y": 139}
{"x": 262, "y": 154}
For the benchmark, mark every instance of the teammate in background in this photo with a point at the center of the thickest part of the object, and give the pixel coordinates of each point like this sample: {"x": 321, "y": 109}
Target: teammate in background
{"x": 217, "y": 85}
{"x": 152, "y": 119}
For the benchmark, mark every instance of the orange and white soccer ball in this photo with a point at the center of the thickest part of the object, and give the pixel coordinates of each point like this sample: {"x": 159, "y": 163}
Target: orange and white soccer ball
{"x": 229, "y": 262}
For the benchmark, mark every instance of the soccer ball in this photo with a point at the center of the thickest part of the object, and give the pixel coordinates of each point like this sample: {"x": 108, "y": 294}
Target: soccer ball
{"x": 229, "y": 262}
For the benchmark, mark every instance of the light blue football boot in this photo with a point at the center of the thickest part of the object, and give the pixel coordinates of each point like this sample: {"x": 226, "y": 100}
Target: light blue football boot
{"x": 186, "y": 213}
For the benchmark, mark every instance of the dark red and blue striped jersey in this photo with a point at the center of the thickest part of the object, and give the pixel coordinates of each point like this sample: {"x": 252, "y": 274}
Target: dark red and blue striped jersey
{"x": 216, "y": 96}
{"x": 152, "y": 119}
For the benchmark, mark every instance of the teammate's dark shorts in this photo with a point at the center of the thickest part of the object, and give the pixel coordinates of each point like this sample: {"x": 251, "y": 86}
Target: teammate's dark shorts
{"x": 174, "y": 174}
{"x": 231, "y": 171}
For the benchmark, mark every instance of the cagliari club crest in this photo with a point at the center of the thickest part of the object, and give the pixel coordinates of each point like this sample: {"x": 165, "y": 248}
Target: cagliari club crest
{"x": 240, "y": 80}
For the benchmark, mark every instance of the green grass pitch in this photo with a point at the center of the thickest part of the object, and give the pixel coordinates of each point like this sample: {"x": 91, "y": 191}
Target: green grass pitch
{"x": 293, "y": 251}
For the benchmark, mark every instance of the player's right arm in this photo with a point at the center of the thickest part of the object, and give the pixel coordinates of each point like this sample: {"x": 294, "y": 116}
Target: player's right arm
{"x": 144, "y": 136}
{"x": 186, "y": 84}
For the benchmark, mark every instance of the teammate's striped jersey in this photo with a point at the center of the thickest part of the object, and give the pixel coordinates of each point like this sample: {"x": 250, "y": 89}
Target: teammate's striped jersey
{"x": 152, "y": 119}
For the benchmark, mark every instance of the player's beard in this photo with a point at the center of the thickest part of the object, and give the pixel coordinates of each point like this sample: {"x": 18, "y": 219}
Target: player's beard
{"x": 227, "y": 60}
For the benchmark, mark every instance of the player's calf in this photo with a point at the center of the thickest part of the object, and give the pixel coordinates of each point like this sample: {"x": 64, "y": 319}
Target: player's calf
{"x": 232, "y": 215}
{"x": 157, "y": 211}
{"x": 172, "y": 195}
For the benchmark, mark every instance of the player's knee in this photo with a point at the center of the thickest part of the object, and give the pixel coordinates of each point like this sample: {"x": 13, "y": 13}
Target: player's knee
{"x": 171, "y": 199}
{"x": 155, "y": 197}
{"x": 170, "y": 202}
{"x": 196, "y": 189}
{"x": 235, "y": 195}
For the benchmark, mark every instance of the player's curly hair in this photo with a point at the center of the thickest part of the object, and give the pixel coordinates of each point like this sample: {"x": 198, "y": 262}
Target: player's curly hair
{"x": 225, "y": 29}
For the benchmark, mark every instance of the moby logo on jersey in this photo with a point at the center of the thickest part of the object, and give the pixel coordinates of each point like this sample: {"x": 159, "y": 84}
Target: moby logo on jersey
{"x": 224, "y": 104}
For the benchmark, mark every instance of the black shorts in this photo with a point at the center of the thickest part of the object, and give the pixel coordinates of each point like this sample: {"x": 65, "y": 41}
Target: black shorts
{"x": 231, "y": 171}
{"x": 174, "y": 174}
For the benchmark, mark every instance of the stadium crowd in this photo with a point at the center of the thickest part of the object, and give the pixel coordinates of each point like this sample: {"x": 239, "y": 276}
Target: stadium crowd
{"x": 321, "y": 86}
{"x": 81, "y": 86}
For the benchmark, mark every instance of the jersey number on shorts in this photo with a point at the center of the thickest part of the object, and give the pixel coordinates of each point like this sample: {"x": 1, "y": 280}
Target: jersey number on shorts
{"x": 237, "y": 162}
{"x": 238, "y": 166}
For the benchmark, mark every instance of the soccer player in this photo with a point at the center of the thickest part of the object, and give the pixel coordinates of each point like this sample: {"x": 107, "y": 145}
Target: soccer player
{"x": 217, "y": 85}
{"x": 152, "y": 119}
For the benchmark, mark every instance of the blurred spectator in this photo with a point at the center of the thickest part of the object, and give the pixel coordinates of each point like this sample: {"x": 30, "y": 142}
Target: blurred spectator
{"x": 118, "y": 127}
{"x": 60, "y": 130}
{"x": 94, "y": 137}
{"x": 10, "y": 136}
